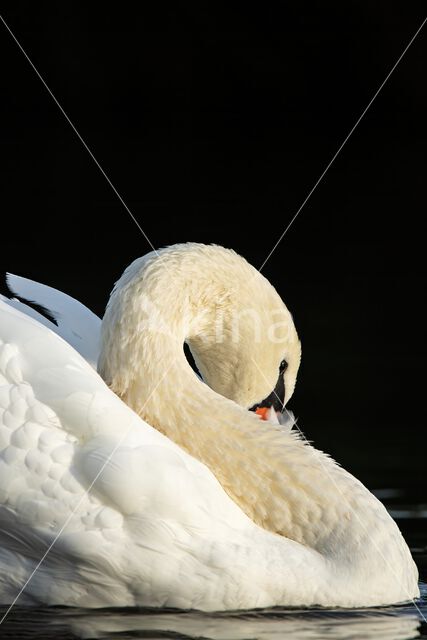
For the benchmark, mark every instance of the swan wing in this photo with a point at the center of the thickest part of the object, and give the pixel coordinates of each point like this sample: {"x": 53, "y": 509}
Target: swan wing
{"x": 73, "y": 321}
{"x": 132, "y": 518}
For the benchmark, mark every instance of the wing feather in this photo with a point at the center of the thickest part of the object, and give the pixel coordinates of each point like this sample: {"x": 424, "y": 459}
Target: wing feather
{"x": 79, "y": 326}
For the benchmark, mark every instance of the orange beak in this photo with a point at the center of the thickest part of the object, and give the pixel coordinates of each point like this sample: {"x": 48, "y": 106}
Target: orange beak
{"x": 263, "y": 412}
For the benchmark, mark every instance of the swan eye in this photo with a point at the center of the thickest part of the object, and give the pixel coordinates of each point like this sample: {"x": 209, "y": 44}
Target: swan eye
{"x": 283, "y": 366}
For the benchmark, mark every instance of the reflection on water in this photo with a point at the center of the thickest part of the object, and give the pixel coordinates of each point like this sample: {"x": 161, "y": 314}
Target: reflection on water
{"x": 393, "y": 623}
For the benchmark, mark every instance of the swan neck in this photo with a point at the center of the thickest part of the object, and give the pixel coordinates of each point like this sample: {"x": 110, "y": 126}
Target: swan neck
{"x": 280, "y": 482}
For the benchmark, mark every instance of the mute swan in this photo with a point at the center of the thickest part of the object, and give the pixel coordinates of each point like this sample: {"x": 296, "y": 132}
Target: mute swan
{"x": 221, "y": 510}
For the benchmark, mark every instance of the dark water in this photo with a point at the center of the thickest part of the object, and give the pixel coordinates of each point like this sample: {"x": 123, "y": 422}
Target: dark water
{"x": 391, "y": 623}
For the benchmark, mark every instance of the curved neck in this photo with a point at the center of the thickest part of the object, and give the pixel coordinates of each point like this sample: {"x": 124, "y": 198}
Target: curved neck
{"x": 281, "y": 482}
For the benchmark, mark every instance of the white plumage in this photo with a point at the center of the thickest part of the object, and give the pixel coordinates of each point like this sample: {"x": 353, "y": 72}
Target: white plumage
{"x": 74, "y": 322}
{"x": 157, "y": 528}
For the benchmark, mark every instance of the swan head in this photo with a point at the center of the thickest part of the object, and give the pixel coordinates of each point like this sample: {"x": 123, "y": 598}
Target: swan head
{"x": 246, "y": 348}
{"x": 239, "y": 331}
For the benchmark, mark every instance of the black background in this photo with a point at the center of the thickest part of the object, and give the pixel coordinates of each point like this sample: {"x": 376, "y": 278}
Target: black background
{"x": 214, "y": 124}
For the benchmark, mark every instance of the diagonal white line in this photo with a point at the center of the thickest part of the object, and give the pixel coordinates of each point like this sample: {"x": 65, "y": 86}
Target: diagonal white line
{"x": 337, "y": 488}
{"x": 107, "y": 461}
{"x": 77, "y": 133}
{"x": 328, "y": 166}
{"x": 152, "y": 246}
